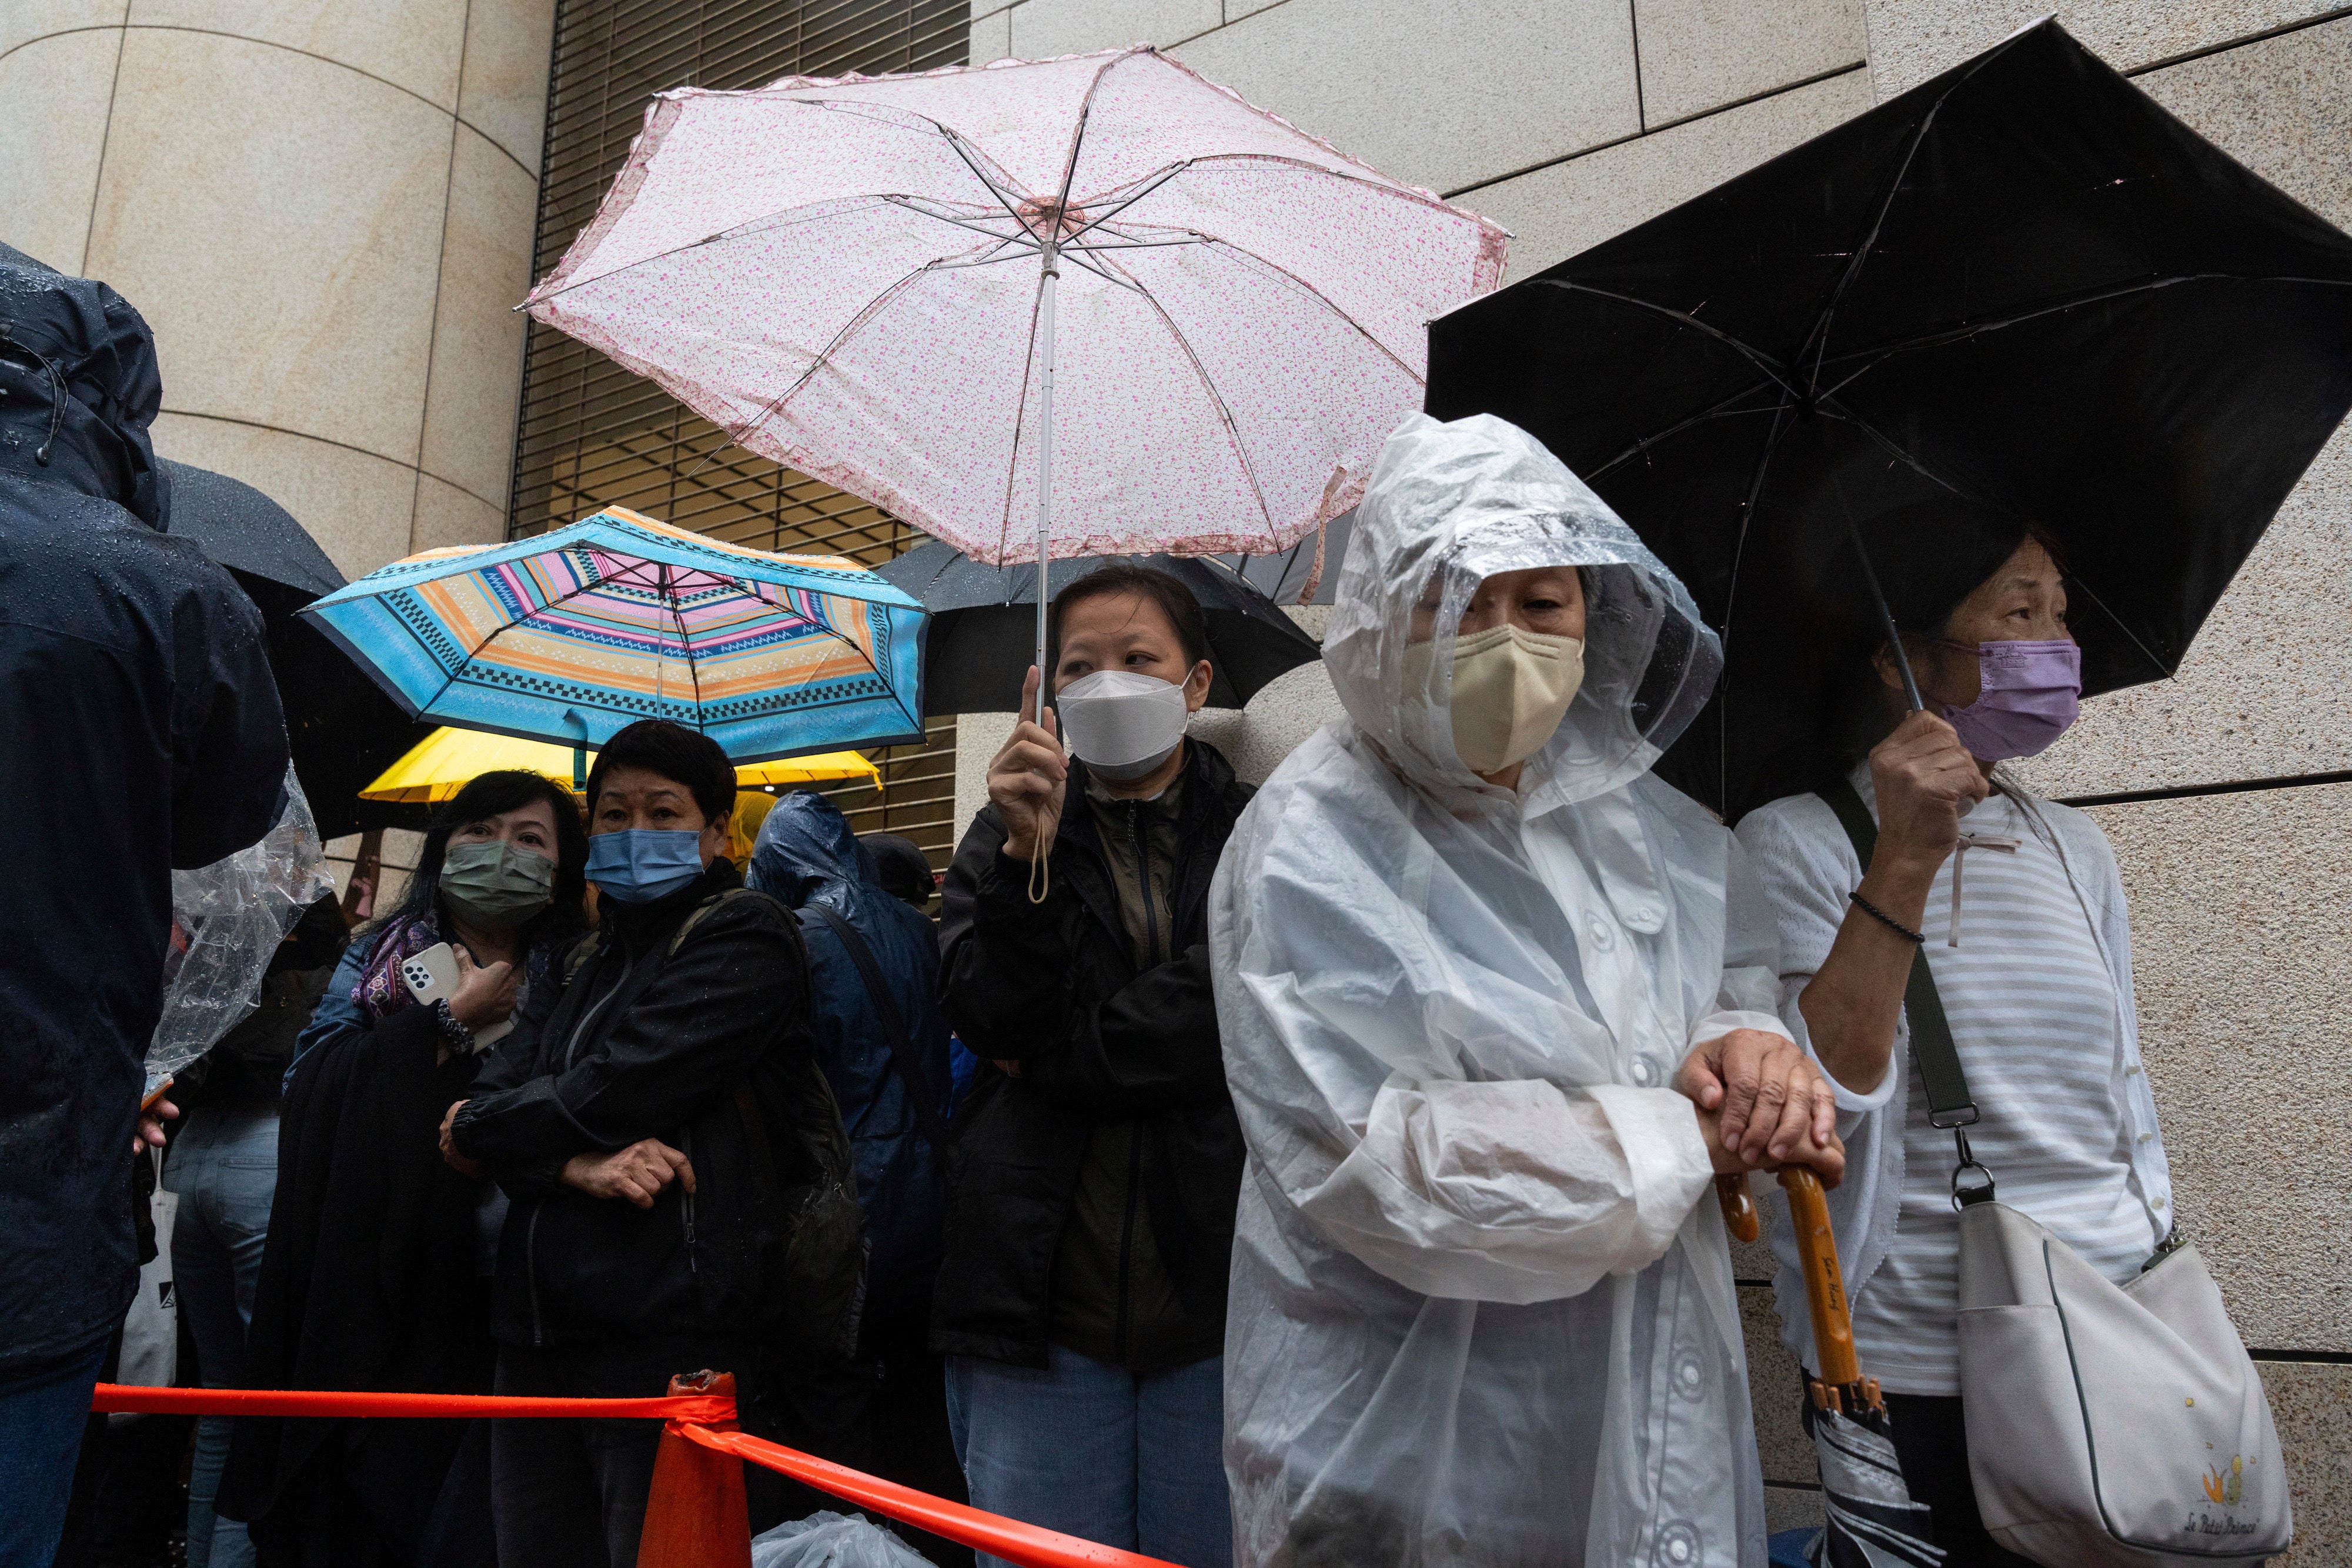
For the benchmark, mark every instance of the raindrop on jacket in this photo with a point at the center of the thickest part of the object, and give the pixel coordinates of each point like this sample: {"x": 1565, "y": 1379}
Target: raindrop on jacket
{"x": 1482, "y": 1310}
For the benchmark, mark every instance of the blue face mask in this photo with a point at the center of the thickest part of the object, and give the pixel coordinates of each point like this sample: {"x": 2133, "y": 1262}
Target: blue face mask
{"x": 638, "y": 865}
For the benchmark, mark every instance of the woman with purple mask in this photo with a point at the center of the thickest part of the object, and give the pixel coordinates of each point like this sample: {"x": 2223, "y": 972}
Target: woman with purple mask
{"x": 2031, "y": 952}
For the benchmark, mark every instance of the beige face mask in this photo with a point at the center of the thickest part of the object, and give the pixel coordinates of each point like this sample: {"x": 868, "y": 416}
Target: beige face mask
{"x": 1511, "y": 688}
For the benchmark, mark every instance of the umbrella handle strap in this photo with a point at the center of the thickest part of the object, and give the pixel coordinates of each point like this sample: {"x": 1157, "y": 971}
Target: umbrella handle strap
{"x": 1817, "y": 1260}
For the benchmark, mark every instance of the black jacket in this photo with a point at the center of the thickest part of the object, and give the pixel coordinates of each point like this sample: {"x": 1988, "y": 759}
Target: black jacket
{"x": 368, "y": 1280}
{"x": 139, "y": 731}
{"x": 703, "y": 1042}
{"x": 1054, "y": 986}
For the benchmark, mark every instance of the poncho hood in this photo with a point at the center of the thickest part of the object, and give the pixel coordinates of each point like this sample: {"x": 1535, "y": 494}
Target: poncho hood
{"x": 1449, "y": 505}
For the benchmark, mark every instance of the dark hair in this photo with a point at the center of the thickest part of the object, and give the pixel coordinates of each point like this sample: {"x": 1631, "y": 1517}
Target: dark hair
{"x": 1119, "y": 576}
{"x": 1922, "y": 600}
{"x": 683, "y": 756}
{"x": 494, "y": 794}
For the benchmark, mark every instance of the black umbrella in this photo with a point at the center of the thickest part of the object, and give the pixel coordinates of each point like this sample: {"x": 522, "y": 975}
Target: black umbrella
{"x": 341, "y": 728}
{"x": 2019, "y": 291}
{"x": 983, "y": 634}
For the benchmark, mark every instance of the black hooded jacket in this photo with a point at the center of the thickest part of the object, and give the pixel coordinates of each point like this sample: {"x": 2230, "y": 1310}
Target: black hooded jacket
{"x": 1055, "y": 986}
{"x": 686, "y": 1019}
{"x": 139, "y": 731}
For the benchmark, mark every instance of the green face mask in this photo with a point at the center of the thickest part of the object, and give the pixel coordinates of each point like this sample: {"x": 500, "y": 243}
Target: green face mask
{"x": 496, "y": 885}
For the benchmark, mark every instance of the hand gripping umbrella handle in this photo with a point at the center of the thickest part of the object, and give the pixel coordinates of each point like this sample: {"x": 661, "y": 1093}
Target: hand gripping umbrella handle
{"x": 1824, "y": 1285}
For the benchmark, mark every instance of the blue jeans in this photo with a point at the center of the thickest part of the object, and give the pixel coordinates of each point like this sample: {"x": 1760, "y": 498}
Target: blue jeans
{"x": 41, "y": 1420}
{"x": 224, "y": 1168}
{"x": 1093, "y": 1450}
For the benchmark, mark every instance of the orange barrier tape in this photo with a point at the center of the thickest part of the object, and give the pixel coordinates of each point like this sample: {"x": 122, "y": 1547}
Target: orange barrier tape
{"x": 1025, "y": 1545}
{"x": 113, "y": 1396}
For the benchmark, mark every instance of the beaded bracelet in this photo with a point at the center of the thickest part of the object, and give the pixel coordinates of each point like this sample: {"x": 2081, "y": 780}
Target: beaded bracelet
{"x": 460, "y": 1039}
{"x": 1914, "y": 937}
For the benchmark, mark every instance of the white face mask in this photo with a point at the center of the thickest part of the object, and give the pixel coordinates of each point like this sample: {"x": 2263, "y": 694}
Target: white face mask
{"x": 1511, "y": 689}
{"x": 1122, "y": 724}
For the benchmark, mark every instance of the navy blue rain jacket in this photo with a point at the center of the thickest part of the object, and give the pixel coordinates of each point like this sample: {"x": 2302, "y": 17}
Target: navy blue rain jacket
{"x": 806, "y": 855}
{"x": 139, "y": 731}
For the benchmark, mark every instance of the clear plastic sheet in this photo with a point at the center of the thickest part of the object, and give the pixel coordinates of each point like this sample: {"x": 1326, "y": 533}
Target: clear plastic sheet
{"x": 1467, "y": 1327}
{"x": 831, "y": 1540}
{"x": 227, "y": 918}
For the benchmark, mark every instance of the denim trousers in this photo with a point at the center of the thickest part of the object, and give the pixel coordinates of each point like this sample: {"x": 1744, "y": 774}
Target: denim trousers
{"x": 1131, "y": 1460}
{"x": 42, "y": 1415}
{"x": 223, "y": 1165}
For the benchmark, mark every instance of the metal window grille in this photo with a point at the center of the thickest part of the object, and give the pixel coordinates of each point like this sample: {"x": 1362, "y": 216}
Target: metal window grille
{"x": 592, "y": 434}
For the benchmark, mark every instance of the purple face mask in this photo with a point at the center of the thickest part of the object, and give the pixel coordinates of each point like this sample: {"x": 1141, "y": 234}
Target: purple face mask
{"x": 2029, "y": 694}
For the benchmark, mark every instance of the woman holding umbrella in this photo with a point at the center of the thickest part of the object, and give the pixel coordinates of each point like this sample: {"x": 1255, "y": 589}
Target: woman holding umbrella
{"x": 2017, "y": 905}
{"x": 1082, "y": 1295}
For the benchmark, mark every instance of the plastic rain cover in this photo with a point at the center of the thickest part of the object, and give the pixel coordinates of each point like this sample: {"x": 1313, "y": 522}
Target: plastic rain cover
{"x": 1457, "y": 1337}
{"x": 227, "y": 918}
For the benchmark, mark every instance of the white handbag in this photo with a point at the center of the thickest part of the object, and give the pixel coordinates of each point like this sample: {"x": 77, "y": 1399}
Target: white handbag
{"x": 2109, "y": 1426}
{"x": 151, "y": 1329}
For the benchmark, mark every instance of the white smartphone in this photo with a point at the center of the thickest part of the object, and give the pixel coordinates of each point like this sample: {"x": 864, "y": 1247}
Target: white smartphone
{"x": 433, "y": 974}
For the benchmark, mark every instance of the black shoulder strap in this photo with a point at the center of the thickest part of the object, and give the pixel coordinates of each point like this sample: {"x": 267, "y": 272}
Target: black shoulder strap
{"x": 894, "y": 1027}
{"x": 1948, "y": 1105}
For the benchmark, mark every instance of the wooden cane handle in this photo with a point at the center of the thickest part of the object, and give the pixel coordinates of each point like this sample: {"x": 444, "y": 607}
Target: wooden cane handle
{"x": 1824, "y": 1285}
{"x": 1740, "y": 1216}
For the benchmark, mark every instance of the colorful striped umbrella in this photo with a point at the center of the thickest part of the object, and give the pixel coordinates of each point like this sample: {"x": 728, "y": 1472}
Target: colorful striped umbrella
{"x": 573, "y": 635}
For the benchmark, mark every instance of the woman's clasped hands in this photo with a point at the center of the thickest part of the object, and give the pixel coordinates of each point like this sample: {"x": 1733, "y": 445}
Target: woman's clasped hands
{"x": 1762, "y": 1104}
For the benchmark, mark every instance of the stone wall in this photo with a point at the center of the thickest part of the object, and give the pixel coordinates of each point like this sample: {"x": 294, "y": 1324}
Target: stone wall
{"x": 1570, "y": 121}
{"x": 325, "y": 211}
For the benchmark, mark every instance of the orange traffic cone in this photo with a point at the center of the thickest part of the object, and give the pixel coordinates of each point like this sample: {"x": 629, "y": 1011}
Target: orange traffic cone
{"x": 694, "y": 1515}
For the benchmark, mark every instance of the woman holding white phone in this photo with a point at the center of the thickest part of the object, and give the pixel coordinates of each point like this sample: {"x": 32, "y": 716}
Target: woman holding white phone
{"x": 377, "y": 1273}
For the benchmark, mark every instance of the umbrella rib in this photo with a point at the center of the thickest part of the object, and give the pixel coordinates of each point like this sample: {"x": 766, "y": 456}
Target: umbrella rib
{"x": 685, "y": 645}
{"x": 955, "y": 144}
{"x": 838, "y": 636}
{"x": 1225, "y": 414}
{"x": 501, "y": 630}
{"x": 1944, "y": 335}
{"x": 1716, "y": 411}
{"x": 1757, "y": 357}
{"x": 1731, "y": 597}
{"x": 736, "y": 231}
{"x": 1078, "y": 133}
{"x": 1215, "y": 242}
{"x": 913, "y": 204}
{"x": 825, "y": 355}
{"x": 1817, "y": 341}
{"x": 1107, "y": 213}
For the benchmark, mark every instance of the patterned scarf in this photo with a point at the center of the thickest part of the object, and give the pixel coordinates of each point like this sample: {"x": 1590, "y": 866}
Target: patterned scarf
{"x": 381, "y": 991}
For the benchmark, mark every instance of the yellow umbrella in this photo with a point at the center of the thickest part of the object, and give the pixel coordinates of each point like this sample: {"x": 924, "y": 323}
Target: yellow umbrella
{"x": 441, "y": 764}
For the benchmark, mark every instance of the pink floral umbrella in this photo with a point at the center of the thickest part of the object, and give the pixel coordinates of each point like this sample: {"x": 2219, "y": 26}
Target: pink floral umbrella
{"x": 1094, "y": 302}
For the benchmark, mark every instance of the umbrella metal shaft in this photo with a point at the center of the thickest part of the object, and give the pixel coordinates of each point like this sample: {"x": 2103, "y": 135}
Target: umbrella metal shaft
{"x": 1051, "y": 257}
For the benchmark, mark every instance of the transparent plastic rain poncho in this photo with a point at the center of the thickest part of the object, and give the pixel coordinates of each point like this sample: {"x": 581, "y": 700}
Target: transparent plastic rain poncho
{"x": 227, "y": 918}
{"x": 1482, "y": 1310}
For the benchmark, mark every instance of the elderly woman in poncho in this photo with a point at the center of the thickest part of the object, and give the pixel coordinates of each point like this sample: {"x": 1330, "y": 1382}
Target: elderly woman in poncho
{"x": 1496, "y": 1005}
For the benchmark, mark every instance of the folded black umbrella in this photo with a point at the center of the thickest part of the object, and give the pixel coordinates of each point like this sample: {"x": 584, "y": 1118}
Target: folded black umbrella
{"x": 983, "y": 634}
{"x": 341, "y": 728}
{"x": 2020, "y": 292}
